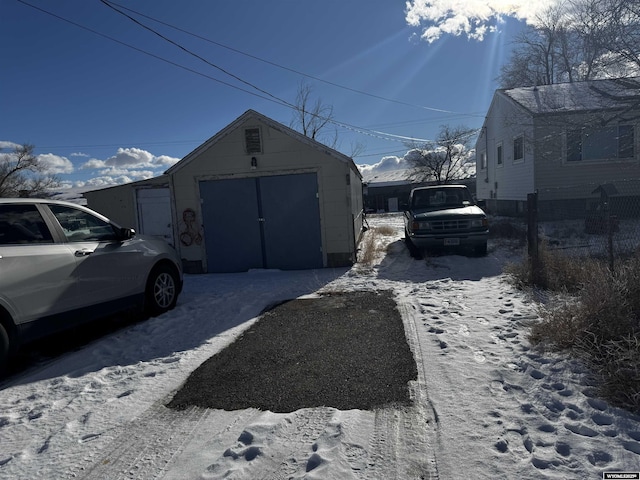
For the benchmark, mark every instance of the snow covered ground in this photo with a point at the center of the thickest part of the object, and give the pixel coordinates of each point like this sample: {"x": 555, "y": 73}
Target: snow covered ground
{"x": 487, "y": 405}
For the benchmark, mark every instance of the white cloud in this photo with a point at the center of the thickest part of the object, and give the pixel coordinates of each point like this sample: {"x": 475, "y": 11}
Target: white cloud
{"x": 105, "y": 181}
{"x": 55, "y": 164}
{"x": 94, "y": 163}
{"x": 136, "y": 174}
{"x": 166, "y": 160}
{"x": 136, "y": 157}
{"x": 393, "y": 169}
{"x": 130, "y": 157}
{"x": 5, "y": 145}
{"x": 386, "y": 170}
{"x": 126, "y": 158}
{"x": 472, "y": 18}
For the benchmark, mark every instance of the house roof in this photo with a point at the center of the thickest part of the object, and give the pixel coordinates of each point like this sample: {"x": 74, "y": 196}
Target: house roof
{"x": 607, "y": 94}
{"x": 252, "y": 114}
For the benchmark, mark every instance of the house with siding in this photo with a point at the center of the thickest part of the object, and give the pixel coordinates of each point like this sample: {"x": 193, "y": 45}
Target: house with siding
{"x": 255, "y": 195}
{"x": 562, "y": 141}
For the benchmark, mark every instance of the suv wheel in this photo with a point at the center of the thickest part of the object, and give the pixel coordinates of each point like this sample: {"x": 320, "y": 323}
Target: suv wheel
{"x": 4, "y": 349}
{"x": 162, "y": 290}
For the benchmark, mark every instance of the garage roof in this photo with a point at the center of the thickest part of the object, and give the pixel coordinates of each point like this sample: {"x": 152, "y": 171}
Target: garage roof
{"x": 252, "y": 114}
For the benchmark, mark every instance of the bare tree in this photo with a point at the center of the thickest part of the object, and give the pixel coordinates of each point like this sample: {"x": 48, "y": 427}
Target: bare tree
{"x": 444, "y": 160}
{"x": 623, "y": 34}
{"x": 314, "y": 118}
{"x": 536, "y": 57}
{"x": 576, "y": 41}
{"x": 23, "y": 175}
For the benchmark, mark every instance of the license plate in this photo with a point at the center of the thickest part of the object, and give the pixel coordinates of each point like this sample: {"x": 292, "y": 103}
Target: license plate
{"x": 451, "y": 241}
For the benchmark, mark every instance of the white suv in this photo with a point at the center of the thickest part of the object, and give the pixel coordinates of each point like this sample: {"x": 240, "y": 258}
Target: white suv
{"x": 62, "y": 264}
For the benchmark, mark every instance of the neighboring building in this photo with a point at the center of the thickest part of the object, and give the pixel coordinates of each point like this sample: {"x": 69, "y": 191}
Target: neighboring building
{"x": 562, "y": 141}
{"x": 393, "y": 195}
{"x": 389, "y": 196}
{"x": 255, "y": 195}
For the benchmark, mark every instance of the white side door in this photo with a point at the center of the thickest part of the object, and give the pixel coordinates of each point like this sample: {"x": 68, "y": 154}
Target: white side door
{"x": 154, "y": 213}
{"x": 37, "y": 275}
{"x": 106, "y": 268}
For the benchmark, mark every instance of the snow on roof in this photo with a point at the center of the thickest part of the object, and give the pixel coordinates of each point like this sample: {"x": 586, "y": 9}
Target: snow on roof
{"x": 378, "y": 177}
{"x": 578, "y": 96}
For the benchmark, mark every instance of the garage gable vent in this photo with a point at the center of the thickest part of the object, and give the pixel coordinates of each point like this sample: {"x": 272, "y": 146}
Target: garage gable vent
{"x": 252, "y": 140}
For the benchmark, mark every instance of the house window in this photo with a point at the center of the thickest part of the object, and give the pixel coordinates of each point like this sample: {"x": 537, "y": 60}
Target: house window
{"x": 483, "y": 161}
{"x": 603, "y": 143}
{"x": 499, "y": 154}
{"x": 252, "y": 140}
{"x": 518, "y": 149}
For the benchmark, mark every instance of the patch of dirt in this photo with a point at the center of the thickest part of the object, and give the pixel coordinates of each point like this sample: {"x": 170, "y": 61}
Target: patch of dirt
{"x": 343, "y": 350}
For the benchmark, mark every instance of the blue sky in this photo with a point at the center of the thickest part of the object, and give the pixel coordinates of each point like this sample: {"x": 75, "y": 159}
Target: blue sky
{"x": 105, "y": 100}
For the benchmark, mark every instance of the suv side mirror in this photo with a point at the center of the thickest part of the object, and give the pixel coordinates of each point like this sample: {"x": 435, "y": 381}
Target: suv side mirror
{"x": 126, "y": 233}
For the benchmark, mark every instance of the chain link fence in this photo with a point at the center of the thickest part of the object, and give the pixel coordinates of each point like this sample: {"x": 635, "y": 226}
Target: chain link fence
{"x": 604, "y": 224}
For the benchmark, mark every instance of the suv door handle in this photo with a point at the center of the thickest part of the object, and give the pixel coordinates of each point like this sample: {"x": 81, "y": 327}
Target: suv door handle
{"x": 83, "y": 253}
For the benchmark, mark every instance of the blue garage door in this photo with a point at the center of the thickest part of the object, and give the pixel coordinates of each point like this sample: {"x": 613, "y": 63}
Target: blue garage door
{"x": 264, "y": 222}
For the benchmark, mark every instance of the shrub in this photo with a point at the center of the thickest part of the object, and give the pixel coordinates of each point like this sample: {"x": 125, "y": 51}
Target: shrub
{"x": 600, "y": 323}
{"x": 508, "y": 229}
{"x": 555, "y": 272}
{"x": 617, "y": 365}
{"x": 371, "y": 246}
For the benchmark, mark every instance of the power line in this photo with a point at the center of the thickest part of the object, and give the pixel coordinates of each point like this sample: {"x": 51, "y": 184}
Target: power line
{"x": 282, "y": 67}
{"x": 186, "y": 50}
{"x": 373, "y": 133}
{"x": 157, "y": 57}
{"x": 271, "y": 98}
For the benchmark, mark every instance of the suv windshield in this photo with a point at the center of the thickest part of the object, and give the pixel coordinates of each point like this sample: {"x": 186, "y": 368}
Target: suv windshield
{"x": 441, "y": 197}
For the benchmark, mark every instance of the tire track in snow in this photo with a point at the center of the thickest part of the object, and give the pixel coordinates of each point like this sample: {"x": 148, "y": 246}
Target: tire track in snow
{"x": 147, "y": 446}
{"x": 405, "y": 433}
{"x": 422, "y": 426}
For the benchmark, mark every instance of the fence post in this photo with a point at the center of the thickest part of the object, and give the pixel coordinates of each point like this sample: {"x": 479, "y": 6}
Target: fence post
{"x": 609, "y": 234}
{"x": 532, "y": 236}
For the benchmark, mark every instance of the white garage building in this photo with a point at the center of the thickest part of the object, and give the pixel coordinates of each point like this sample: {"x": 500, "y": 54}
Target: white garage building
{"x": 255, "y": 195}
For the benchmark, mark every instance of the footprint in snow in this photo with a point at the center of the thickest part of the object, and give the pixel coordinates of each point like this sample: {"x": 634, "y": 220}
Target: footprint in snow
{"x": 536, "y": 374}
{"x": 563, "y": 449}
{"x": 597, "y": 404}
{"x": 479, "y": 357}
{"x": 632, "y": 447}
{"x": 581, "y": 430}
{"x": 599, "y": 458}
{"x": 125, "y": 394}
{"x": 602, "y": 419}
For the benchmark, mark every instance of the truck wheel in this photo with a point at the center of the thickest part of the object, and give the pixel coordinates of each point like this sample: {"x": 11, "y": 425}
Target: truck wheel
{"x": 161, "y": 294}
{"x": 413, "y": 250}
{"x": 480, "y": 250}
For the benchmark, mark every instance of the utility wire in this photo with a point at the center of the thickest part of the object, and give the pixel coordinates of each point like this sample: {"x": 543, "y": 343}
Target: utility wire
{"x": 270, "y": 97}
{"x": 347, "y": 126}
{"x": 282, "y": 67}
{"x": 157, "y": 57}
{"x": 189, "y": 52}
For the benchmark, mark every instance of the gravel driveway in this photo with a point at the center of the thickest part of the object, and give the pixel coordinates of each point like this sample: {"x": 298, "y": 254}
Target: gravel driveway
{"x": 343, "y": 350}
